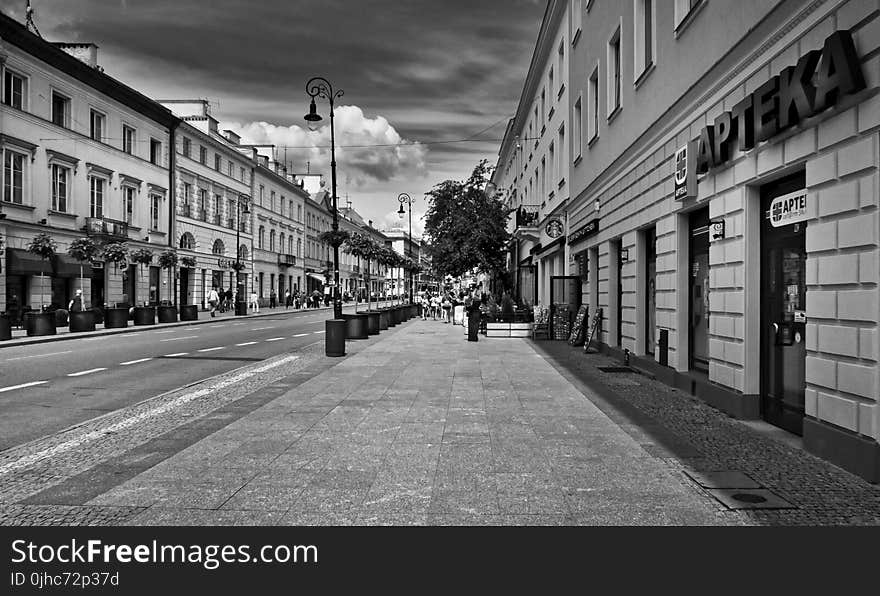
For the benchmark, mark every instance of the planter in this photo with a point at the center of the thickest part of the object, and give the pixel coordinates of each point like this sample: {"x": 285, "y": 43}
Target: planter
{"x": 61, "y": 317}
{"x": 355, "y": 326}
{"x": 98, "y": 314}
{"x": 40, "y": 323}
{"x": 392, "y": 317}
{"x": 383, "y": 320}
{"x": 83, "y": 320}
{"x": 189, "y": 312}
{"x": 166, "y": 314}
{"x": 144, "y": 315}
{"x": 115, "y": 318}
{"x": 372, "y": 321}
{"x": 5, "y": 327}
{"x": 241, "y": 308}
{"x": 334, "y": 337}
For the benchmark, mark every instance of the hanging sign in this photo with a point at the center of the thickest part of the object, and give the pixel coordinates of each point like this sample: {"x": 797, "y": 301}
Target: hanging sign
{"x": 789, "y": 209}
{"x": 554, "y": 228}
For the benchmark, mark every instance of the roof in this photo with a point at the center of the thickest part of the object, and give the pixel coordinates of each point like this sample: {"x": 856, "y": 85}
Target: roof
{"x": 14, "y": 33}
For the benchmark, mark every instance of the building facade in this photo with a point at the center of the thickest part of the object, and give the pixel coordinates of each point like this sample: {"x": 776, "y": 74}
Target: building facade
{"x": 318, "y": 258}
{"x": 724, "y": 217}
{"x": 212, "y": 186}
{"x": 278, "y": 220}
{"x": 402, "y": 243}
{"x": 83, "y": 156}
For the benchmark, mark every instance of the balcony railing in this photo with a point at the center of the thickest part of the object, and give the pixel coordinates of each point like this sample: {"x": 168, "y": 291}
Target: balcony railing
{"x": 286, "y": 260}
{"x": 527, "y": 216}
{"x": 104, "y": 226}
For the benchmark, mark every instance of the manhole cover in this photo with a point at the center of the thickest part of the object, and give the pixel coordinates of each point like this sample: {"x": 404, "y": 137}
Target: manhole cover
{"x": 722, "y": 479}
{"x": 615, "y": 369}
{"x": 749, "y": 498}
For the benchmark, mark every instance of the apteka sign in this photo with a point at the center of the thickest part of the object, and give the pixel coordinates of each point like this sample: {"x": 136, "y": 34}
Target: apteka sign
{"x": 789, "y": 209}
{"x": 818, "y": 81}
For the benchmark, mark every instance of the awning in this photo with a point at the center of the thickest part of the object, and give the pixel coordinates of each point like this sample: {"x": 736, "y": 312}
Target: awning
{"x": 317, "y": 276}
{"x": 22, "y": 262}
{"x": 67, "y": 266}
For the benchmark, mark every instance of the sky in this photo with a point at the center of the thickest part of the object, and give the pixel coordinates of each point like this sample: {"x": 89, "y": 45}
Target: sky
{"x": 416, "y": 76}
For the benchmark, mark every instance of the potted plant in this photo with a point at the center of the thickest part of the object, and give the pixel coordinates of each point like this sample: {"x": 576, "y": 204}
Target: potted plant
{"x": 115, "y": 253}
{"x": 83, "y": 250}
{"x": 168, "y": 261}
{"x": 364, "y": 247}
{"x": 189, "y": 312}
{"x": 145, "y": 314}
{"x": 41, "y": 322}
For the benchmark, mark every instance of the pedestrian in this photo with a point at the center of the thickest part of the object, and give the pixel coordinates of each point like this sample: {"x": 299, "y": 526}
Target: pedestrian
{"x": 254, "y": 302}
{"x": 272, "y": 298}
{"x": 230, "y": 303}
{"x": 435, "y": 306}
{"x": 76, "y": 305}
{"x": 221, "y": 299}
{"x": 213, "y": 300}
{"x": 316, "y": 298}
{"x": 288, "y": 299}
{"x": 426, "y": 304}
{"x": 446, "y": 305}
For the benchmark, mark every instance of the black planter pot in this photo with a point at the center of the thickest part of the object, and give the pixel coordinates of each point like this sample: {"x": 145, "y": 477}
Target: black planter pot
{"x": 334, "y": 337}
{"x": 115, "y": 318}
{"x": 355, "y": 326}
{"x": 392, "y": 317}
{"x": 241, "y": 308}
{"x": 61, "y": 317}
{"x": 5, "y": 327}
{"x": 189, "y": 312}
{"x": 98, "y": 314}
{"x": 383, "y": 320}
{"x": 166, "y": 314}
{"x": 144, "y": 315}
{"x": 83, "y": 320}
{"x": 40, "y": 323}
{"x": 372, "y": 321}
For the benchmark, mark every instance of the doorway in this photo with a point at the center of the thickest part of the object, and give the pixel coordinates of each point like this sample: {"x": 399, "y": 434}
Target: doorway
{"x": 698, "y": 284}
{"x": 565, "y": 300}
{"x": 184, "y": 286}
{"x": 783, "y": 312}
{"x": 650, "y": 289}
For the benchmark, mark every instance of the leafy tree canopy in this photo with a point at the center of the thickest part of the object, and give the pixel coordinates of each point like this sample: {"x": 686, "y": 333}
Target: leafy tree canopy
{"x": 467, "y": 227}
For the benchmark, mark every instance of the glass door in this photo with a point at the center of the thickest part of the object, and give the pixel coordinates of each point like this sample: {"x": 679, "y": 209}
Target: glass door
{"x": 565, "y": 300}
{"x": 699, "y": 291}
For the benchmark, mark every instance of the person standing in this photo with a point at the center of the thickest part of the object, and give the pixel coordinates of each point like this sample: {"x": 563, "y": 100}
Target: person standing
{"x": 272, "y": 298}
{"x": 446, "y": 305}
{"x": 213, "y": 300}
{"x": 76, "y": 304}
{"x": 288, "y": 299}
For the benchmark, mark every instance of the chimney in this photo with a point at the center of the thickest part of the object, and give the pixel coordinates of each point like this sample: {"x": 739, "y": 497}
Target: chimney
{"x": 84, "y": 52}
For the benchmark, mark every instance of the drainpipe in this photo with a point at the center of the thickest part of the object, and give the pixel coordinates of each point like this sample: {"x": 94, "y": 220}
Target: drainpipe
{"x": 172, "y": 200}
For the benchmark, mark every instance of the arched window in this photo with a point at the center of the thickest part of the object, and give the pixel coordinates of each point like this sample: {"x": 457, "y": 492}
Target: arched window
{"x": 187, "y": 241}
{"x": 242, "y": 252}
{"x": 219, "y": 248}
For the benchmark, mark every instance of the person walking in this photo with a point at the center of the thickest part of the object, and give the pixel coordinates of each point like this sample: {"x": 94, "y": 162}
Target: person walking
{"x": 288, "y": 299}
{"x": 213, "y": 300}
{"x": 76, "y": 304}
{"x": 273, "y": 297}
{"x": 254, "y": 302}
{"x": 426, "y": 304}
{"x": 230, "y": 300}
{"x": 446, "y": 306}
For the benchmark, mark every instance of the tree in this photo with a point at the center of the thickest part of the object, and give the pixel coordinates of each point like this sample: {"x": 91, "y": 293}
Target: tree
{"x": 44, "y": 247}
{"x": 467, "y": 226}
{"x": 83, "y": 250}
{"x": 144, "y": 256}
{"x": 168, "y": 260}
{"x": 363, "y": 247}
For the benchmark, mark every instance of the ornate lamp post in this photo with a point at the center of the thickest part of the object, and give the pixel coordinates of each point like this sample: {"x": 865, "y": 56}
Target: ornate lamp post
{"x": 321, "y": 87}
{"x": 240, "y": 304}
{"x": 405, "y": 198}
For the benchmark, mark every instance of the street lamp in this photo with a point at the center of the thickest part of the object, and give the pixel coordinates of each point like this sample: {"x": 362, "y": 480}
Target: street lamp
{"x": 321, "y": 87}
{"x": 405, "y": 198}
{"x": 240, "y": 304}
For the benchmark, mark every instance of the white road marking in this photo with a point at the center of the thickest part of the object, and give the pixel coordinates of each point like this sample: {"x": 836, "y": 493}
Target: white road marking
{"x": 38, "y": 356}
{"x": 22, "y": 386}
{"x": 260, "y": 328}
{"x": 134, "y": 419}
{"x": 315, "y": 323}
{"x": 179, "y": 338}
{"x": 317, "y": 332}
{"x": 247, "y": 343}
{"x": 135, "y": 361}
{"x": 211, "y": 349}
{"x": 274, "y": 339}
{"x": 175, "y": 355}
{"x": 219, "y": 325}
{"x": 169, "y": 331}
{"x": 86, "y": 372}
{"x": 300, "y": 334}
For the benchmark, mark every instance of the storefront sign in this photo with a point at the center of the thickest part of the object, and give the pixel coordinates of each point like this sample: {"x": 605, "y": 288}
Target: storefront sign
{"x": 789, "y": 209}
{"x": 818, "y": 81}
{"x": 716, "y": 229}
{"x": 554, "y": 228}
{"x": 225, "y": 263}
{"x": 585, "y": 231}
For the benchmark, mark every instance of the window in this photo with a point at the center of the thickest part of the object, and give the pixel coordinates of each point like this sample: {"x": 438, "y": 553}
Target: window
{"x": 241, "y": 174}
{"x": 560, "y": 58}
{"x": 298, "y": 247}
{"x": 272, "y": 200}
{"x": 14, "y": 86}
{"x": 13, "y": 177}
{"x": 60, "y": 188}
{"x": 128, "y": 193}
{"x": 155, "y": 152}
{"x": 261, "y": 236}
{"x": 614, "y": 73}
{"x": 187, "y": 191}
{"x": 203, "y": 204}
{"x": 154, "y": 211}
{"x": 551, "y": 154}
{"x": 643, "y": 36}
{"x": 187, "y": 147}
{"x": 299, "y": 213}
{"x": 187, "y": 241}
{"x": 577, "y": 124}
{"x": 96, "y": 196}
{"x": 60, "y": 109}
{"x": 217, "y": 161}
{"x": 550, "y": 85}
{"x": 128, "y": 139}
{"x": 262, "y": 192}
{"x": 543, "y": 107}
{"x": 560, "y": 162}
{"x": 97, "y": 122}
{"x": 684, "y": 9}
{"x": 593, "y": 106}
{"x": 218, "y": 207}
{"x": 203, "y": 155}
{"x": 272, "y": 240}
{"x": 230, "y": 213}
{"x": 218, "y": 248}
{"x": 230, "y": 169}
{"x": 577, "y": 7}
{"x": 543, "y": 187}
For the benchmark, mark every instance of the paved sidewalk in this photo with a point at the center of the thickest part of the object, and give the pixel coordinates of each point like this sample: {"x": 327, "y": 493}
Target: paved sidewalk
{"x": 420, "y": 427}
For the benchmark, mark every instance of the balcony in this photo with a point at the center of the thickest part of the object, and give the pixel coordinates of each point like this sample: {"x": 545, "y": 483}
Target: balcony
{"x": 106, "y": 228}
{"x": 285, "y": 260}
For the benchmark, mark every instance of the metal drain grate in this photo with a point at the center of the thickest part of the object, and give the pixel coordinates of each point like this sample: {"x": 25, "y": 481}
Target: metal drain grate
{"x": 615, "y": 369}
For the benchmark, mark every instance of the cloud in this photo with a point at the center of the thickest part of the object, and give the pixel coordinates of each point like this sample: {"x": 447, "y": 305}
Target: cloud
{"x": 359, "y": 161}
{"x": 393, "y": 221}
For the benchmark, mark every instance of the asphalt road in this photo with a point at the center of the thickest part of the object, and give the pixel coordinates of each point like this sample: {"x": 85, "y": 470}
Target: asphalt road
{"x": 50, "y": 386}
